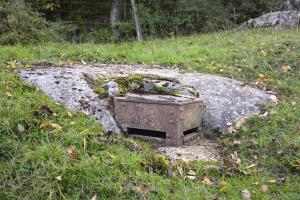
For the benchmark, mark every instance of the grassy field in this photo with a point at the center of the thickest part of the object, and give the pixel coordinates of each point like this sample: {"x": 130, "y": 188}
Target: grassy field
{"x": 48, "y": 153}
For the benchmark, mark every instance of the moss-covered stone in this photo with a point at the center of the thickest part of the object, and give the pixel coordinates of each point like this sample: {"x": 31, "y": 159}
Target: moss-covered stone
{"x": 160, "y": 89}
{"x": 101, "y": 91}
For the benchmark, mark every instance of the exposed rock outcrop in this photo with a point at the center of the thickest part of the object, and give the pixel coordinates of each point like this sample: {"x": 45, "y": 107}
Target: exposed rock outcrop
{"x": 292, "y": 5}
{"x": 226, "y": 100}
{"x": 280, "y": 19}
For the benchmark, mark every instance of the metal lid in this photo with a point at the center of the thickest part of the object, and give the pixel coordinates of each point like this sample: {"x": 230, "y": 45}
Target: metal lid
{"x": 158, "y": 99}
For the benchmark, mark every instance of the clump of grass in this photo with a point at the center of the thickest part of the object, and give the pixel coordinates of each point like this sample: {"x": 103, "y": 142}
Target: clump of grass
{"x": 101, "y": 91}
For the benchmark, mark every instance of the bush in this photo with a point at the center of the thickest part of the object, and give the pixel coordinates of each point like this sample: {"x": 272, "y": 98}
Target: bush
{"x": 21, "y": 25}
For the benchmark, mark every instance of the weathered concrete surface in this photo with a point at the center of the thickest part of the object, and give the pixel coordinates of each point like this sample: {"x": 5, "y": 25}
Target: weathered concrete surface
{"x": 202, "y": 150}
{"x": 226, "y": 100}
{"x": 280, "y": 19}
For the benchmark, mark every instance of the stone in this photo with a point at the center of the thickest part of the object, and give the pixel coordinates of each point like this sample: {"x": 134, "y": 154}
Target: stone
{"x": 279, "y": 20}
{"x": 292, "y": 5}
{"x": 226, "y": 100}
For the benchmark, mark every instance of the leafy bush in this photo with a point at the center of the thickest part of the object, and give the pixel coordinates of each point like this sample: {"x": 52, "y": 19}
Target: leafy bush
{"x": 21, "y": 25}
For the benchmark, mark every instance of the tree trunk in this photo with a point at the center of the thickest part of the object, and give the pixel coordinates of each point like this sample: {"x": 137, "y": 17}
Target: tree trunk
{"x": 137, "y": 21}
{"x": 114, "y": 18}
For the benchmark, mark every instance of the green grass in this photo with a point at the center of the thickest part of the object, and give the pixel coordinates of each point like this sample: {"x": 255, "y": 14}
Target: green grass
{"x": 32, "y": 157}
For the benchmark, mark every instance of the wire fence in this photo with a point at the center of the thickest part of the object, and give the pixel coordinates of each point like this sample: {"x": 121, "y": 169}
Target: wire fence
{"x": 94, "y": 15}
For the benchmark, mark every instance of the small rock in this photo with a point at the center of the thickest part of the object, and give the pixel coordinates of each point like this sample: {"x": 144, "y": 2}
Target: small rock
{"x": 264, "y": 188}
{"x": 246, "y": 194}
{"x": 253, "y": 142}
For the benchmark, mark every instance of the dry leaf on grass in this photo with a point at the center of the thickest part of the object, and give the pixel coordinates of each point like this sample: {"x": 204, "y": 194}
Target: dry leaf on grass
{"x": 44, "y": 125}
{"x": 94, "y": 197}
{"x": 144, "y": 190}
{"x": 8, "y": 94}
{"x": 251, "y": 166}
{"x": 72, "y": 154}
{"x": 236, "y": 142}
{"x": 56, "y": 126}
{"x": 192, "y": 177}
{"x": 286, "y": 68}
{"x": 206, "y": 181}
{"x": 235, "y": 158}
{"x": 69, "y": 114}
{"x": 59, "y": 178}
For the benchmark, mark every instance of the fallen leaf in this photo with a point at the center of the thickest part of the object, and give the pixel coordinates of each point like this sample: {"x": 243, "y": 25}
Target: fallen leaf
{"x": 144, "y": 189}
{"x": 261, "y": 80}
{"x": 191, "y": 173}
{"x": 246, "y": 194}
{"x": 272, "y": 181}
{"x": 69, "y": 114}
{"x": 44, "y": 125}
{"x": 206, "y": 181}
{"x": 56, "y": 126}
{"x": 46, "y": 110}
{"x": 72, "y": 154}
{"x": 83, "y": 101}
{"x": 286, "y": 68}
{"x": 264, "y": 188}
{"x": 235, "y": 157}
{"x": 94, "y": 197}
{"x": 192, "y": 177}
{"x": 21, "y": 128}
{"x": 251, "y": 166}
{"x": 236, "y": 142}
{"x": 59, "y": 178}
{"x": 8, "y": 94}
{"x": 224, "y": 186}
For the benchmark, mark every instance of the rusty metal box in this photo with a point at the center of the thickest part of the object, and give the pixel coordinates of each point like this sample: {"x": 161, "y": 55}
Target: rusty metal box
{"x": 168, "y": 119}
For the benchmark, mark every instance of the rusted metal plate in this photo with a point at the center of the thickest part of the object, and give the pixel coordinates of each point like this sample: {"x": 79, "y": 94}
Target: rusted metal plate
{"x": 168, "y": 114}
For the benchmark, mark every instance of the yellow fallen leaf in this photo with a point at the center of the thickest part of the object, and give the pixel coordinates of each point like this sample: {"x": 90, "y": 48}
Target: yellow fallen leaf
{"x": 44, "y": 125}
{"x": 251, "y": 166}
{"x": 69, "y": 114}
{"x": 8, "y": 94}
{"x": 224, "y": 186}
{"x": 59, "y": 178}
{"x": 56, "y": 126}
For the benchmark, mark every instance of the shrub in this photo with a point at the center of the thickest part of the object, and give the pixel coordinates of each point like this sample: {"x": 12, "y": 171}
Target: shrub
{"x": 19, "y": 24}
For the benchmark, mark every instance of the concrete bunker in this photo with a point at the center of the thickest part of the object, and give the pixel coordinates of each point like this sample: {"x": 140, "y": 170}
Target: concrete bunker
{"x": 168, "y": 120}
